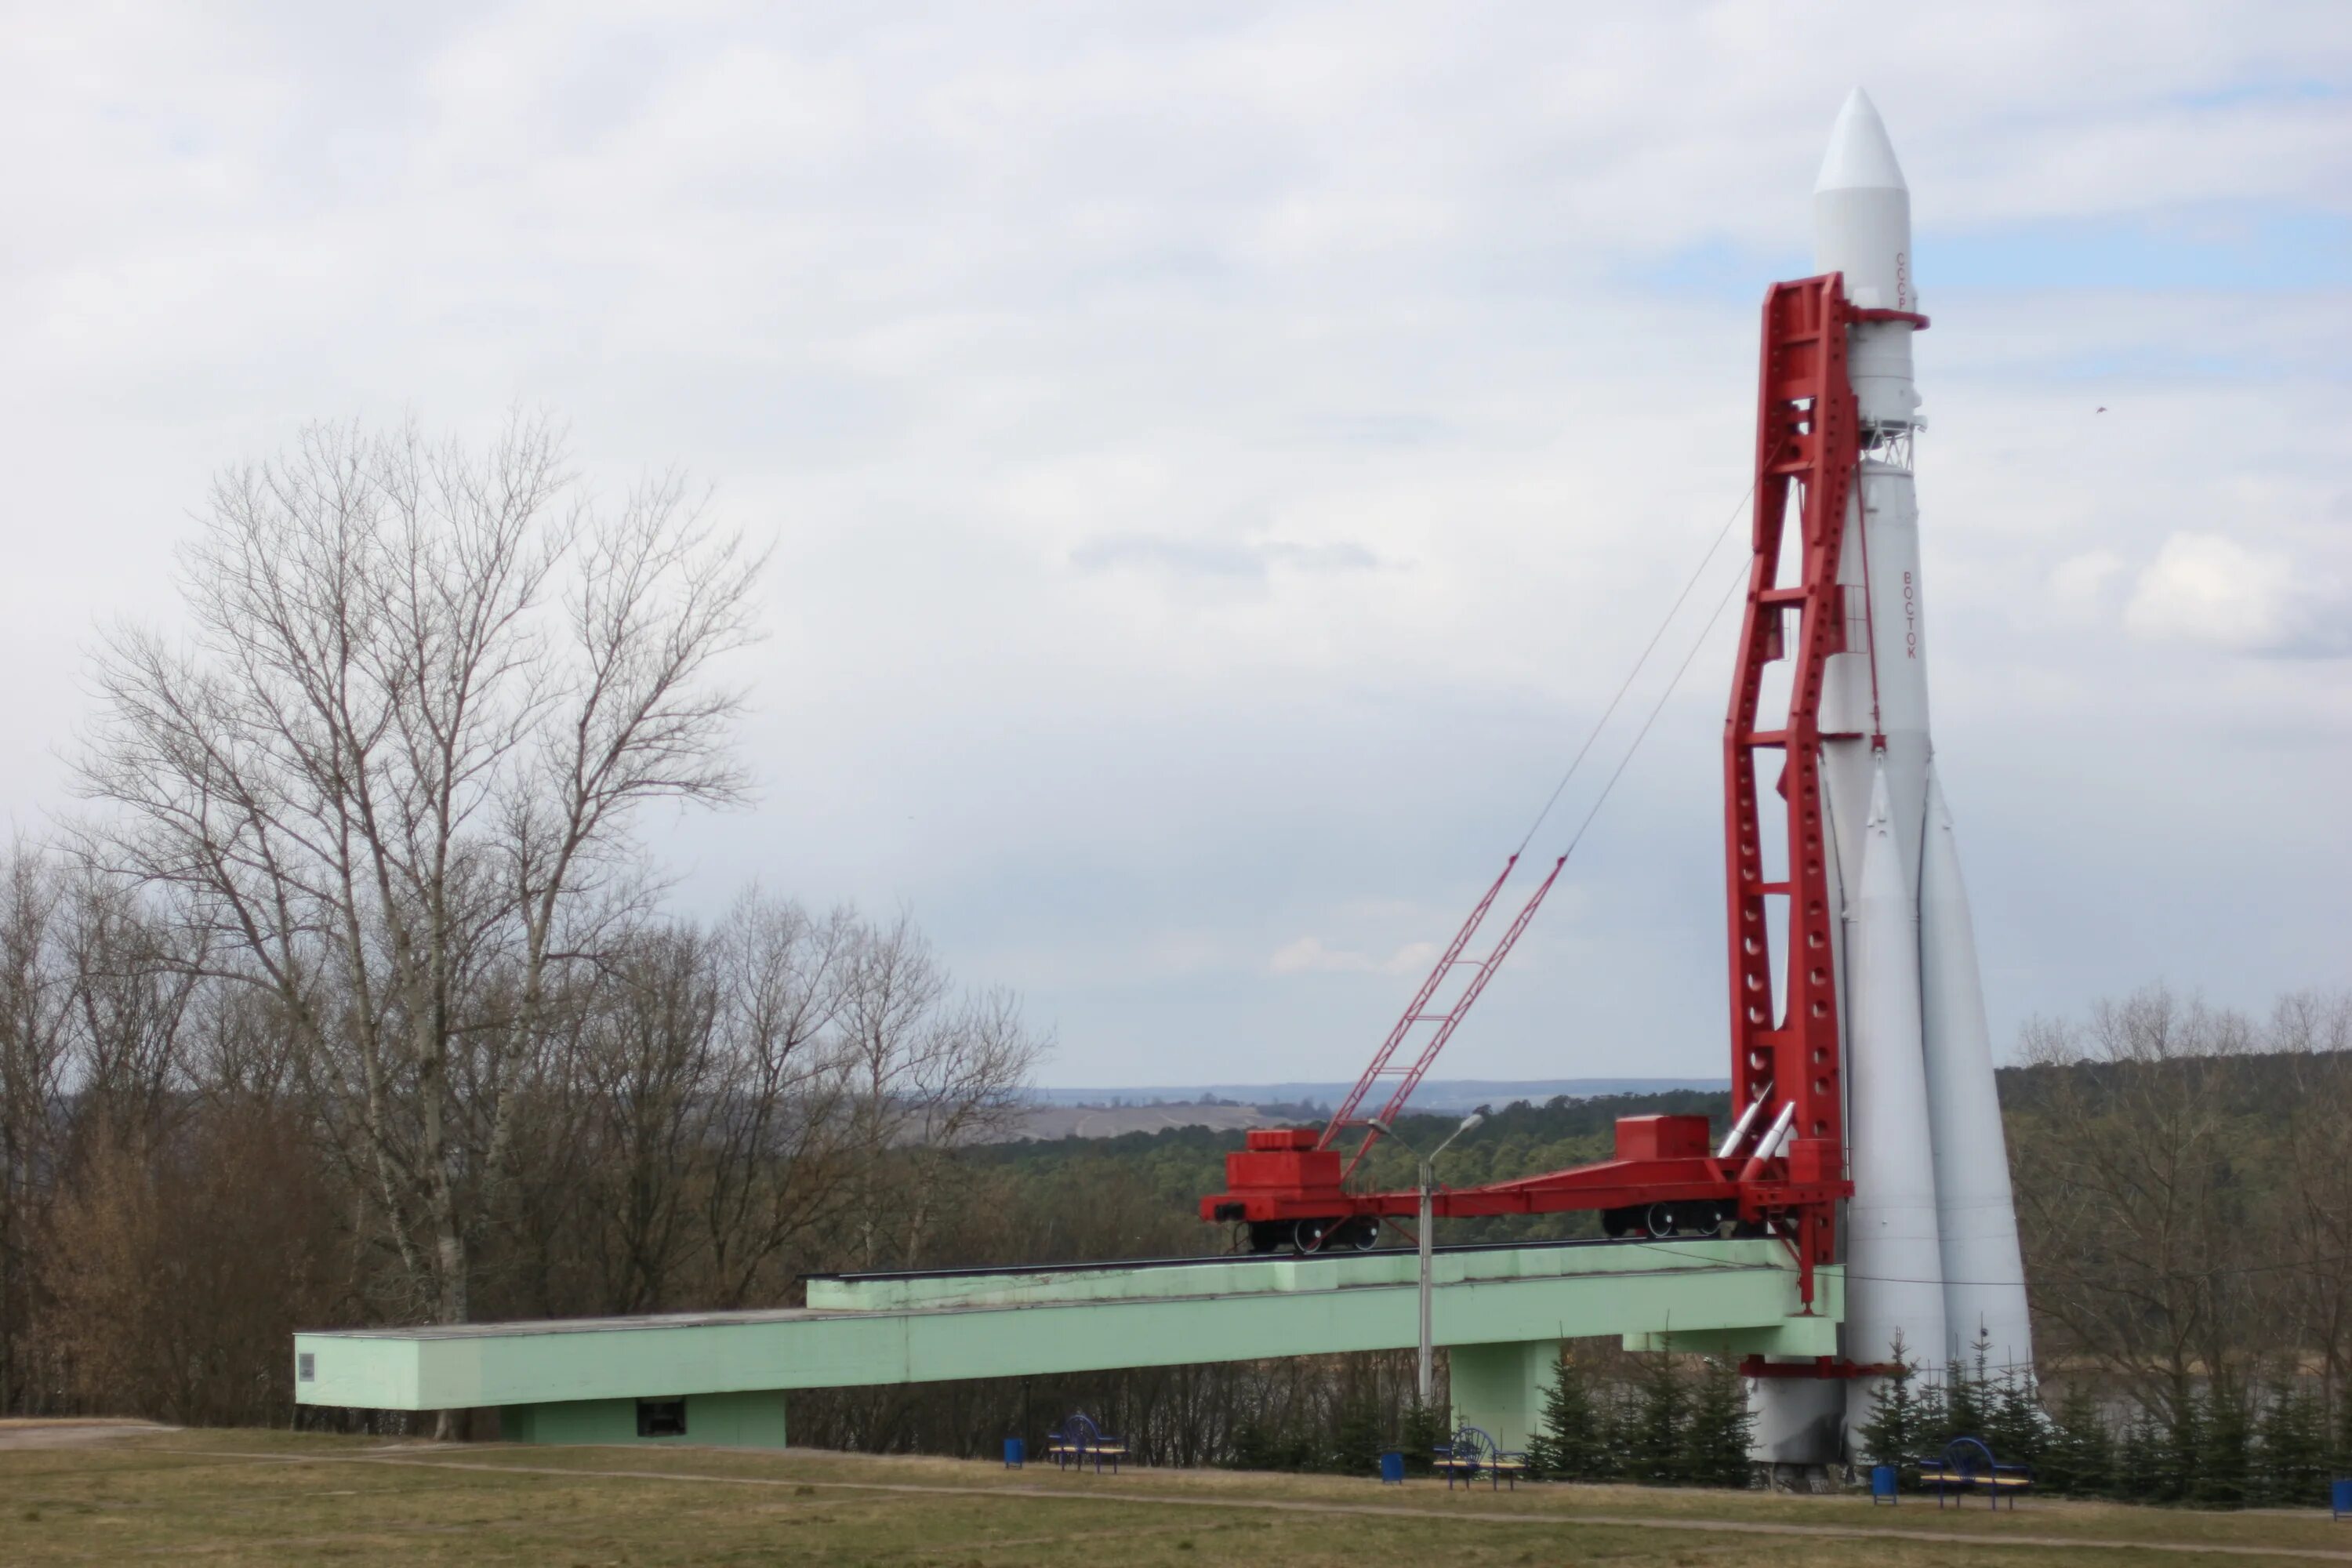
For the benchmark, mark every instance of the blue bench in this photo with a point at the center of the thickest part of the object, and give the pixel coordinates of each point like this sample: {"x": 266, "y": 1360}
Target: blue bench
{"x": 1472, "y": 1453}
{"x": 1967, "y": 1464}
{"x": 1078, "y": 1440}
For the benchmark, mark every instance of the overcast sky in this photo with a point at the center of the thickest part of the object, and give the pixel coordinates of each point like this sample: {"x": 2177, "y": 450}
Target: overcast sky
{"x": 1222, "y": 459}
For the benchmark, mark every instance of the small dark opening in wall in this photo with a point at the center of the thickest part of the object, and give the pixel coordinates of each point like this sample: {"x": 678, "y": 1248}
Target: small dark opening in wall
{"x": 661, "y": 1418}
{"x": 306, "y": 1367}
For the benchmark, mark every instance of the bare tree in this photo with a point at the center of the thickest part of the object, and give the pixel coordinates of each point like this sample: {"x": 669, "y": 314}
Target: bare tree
{"x": 36, "y": 1034}
{"x": 192, "y": 1258}
{"x": 2138, "y": 1236}
{"x": 927, "y": 1073}
{"x": 653, "y": 1088}
{"x": 133, "y": 974}
{"x": 2314, "y": 1031}
{"x": 779, "y": 1163}
{"x": 394, "y": 773}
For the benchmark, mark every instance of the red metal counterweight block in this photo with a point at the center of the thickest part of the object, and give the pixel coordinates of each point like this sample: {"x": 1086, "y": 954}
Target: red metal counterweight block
{"x": 1785, "y": 1171}
{"x": 1662, "y": 1137}
{"x": 1282, "y": 1168}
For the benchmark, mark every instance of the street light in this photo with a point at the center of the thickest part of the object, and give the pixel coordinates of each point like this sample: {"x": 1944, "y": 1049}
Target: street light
{"x": 1426, "y": 1374}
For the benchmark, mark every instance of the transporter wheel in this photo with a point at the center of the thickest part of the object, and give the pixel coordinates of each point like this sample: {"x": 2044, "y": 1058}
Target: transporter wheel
{"x": 1617, "y": 1223}
{"x": 1267, "y": 1235}
{"x": 1660, "y": 1220}
{"x": 1362, "y": 1233}
{"x": 1307, "y": 1235}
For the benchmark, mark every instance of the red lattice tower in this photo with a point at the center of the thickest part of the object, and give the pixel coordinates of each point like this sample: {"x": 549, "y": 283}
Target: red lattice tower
{"x": 1785, "y": 1035}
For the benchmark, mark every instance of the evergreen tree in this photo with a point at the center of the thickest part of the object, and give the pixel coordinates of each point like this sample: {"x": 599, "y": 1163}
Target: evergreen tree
{"x": 2079, "y": 1458}
{"x": 1894, "y": 1432}
{"x": 1574, "y": 1437}
{"x": 2017, "y": 1429}
{"x": 2219, "y": 1468}
{"x": 1932, "y": 1415}
{"x": 2179, "y": 1448}
{"x": 1967, "y": 1392}
{"x": 2342, "y": 1463}
{"x": 1253, "y": 1444}
{"x": 2139, "y": 1464}
{"x": 1356, "y": 1446}
{"x": 2291, "y": 1447}
{"x": 1613, "y": 1428}
{"x": 1421, "y": 1430}
{"x": 1653, "y": 1421}
{"x": 1542, "y": 1460}
{"x": 1288, "y": 1444}
{"x": 1716, "y": 1428}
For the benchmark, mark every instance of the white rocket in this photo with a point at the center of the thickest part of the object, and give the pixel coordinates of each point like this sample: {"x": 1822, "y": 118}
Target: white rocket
{"x": 1931, "y": 1250}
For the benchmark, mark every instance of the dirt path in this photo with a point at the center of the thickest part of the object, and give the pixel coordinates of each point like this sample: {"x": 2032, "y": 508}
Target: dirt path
{"x": 1275, "y": 1505}
{"x": 81, "y": 1434}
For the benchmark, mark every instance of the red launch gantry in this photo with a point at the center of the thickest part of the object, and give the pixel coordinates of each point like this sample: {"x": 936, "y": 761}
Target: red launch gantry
{"x": 1781, "y": 1169}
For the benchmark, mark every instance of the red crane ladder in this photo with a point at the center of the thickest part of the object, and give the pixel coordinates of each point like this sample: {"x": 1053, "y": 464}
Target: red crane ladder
{"x": 1447, "y": 1021}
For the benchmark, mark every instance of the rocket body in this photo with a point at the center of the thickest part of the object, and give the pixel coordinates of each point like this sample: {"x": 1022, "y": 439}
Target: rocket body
{"x": 1862, "y": 228}
{"x": 1931, "y": 1232}
{"x": 1874, "y": 696}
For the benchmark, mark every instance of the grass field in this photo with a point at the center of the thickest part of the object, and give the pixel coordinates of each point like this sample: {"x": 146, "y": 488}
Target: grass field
{"x": 273, "y": 1497}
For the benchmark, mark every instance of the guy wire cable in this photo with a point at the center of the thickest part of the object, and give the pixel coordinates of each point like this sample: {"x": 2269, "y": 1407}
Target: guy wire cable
{"x": 1658, "y": 707}
{"x": 1631, "y": 675}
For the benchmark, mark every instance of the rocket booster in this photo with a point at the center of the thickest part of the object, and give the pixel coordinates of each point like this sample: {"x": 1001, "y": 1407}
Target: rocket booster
{"x": 1893, "y": 1252}
{"x": 1976, "y": 1212}
{"x": 1931, "y": 1231}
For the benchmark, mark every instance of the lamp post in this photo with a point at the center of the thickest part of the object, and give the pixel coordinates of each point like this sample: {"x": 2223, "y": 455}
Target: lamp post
{"x": 1425, "y": 1373}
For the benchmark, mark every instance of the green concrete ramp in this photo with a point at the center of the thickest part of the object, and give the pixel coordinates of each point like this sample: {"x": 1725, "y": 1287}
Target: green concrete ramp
{"x": 1502, "y": 1310}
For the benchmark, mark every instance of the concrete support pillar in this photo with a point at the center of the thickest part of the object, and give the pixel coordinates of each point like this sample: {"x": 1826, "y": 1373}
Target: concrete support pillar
{"x": 750, "y": 1420}
{"x": 1499, "y": 1388}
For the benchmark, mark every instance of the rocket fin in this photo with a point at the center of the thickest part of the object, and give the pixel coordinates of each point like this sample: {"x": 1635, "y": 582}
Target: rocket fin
{"x": 1976, "y": 1212}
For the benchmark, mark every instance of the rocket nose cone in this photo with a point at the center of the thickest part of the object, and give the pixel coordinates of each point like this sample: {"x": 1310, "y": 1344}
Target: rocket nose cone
{"x": 1860, "y": 156}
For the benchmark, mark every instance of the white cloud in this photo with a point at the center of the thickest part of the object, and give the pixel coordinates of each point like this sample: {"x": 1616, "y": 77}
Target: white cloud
{"x": 1413, "y": 958}
{"x": 2211, "y": 590}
